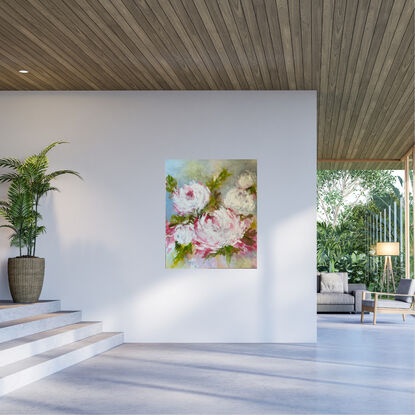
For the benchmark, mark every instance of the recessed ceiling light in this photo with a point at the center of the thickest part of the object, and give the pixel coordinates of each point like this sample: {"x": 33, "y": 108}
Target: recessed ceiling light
{"x": 23, "y": 71}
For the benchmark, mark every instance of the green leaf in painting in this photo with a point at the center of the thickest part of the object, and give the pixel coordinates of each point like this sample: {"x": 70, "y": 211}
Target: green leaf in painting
{"x": 182, "y": 251}
{"x": 252, "y": 189}
{"x": 179, "y": 220}
{"x": 226, "y": 251}
{"x": 171, "y": 184}
{"x": 214, "y": 184}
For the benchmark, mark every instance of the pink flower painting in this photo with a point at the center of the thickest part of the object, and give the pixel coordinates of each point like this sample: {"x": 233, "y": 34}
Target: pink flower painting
{"x": 211, "y": 214}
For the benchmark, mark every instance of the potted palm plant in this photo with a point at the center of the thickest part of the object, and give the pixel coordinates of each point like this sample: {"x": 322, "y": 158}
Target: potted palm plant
{"x": 29, "y": 182}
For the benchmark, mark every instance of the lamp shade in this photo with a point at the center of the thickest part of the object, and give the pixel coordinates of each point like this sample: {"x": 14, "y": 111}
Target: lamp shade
{"x": 387, "y": 248}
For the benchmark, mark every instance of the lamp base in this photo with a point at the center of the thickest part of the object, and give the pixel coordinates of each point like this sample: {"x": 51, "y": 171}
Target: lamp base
{"x": 388, "y": 274}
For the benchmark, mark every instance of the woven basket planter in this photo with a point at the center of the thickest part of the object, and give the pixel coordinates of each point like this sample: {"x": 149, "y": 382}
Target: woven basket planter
{"x": 26, "y": 278}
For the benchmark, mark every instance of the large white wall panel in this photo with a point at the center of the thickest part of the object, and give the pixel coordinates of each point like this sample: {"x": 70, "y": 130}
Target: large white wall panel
{"x": 104, "y": 247}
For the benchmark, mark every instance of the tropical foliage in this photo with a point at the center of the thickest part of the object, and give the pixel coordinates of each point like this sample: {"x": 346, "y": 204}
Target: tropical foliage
{"x": 339, "y": 191}
{"x": 29, "y": 182}
{"x": 344, "y": 199}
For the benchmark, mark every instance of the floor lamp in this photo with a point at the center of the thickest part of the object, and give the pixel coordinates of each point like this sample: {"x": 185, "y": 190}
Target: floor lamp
{"x": 387, "y": 249}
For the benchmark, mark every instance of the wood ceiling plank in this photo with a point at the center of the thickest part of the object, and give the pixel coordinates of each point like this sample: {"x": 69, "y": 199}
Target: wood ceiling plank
{"x": 339, "y": 22}
{"x": 23, "y": 82}
{"x": 284, "y": 21}
{"x": 167, "y": 15}
{"x": 399, "y": 117}
{"x": 160, "y": 30}
{"x": 13, "y": 47}
{"x": 7, "y": 84}
{"x": 402, "y": 116}
{"x": 245, "y": 36}
{"x": 316, "y": 29}
{"x": 397, "y": 80}
{"x": 406, "y": 137}
{"x": 223, "y": 30}
{"x": 306, "y": 43}
{"x": 398, "y": 64}
{"x": 83, "y": 38}
{"x": 132, "y": 29}
{"x": 164, "y": 43}
{"x": 117, "y": 35}
{"x": 391, "y": 40}
{"x": 206, "y": 18}
{"x": 295, "y": 25}
{"x": 119, "y": 60}
{"x": 344, "y": 97}
{"x": 275, "y": 33}
{"x": 345, "y": 52}
{"x": 67, "y": 41}
{"x": 261, "y": 24}
{"x": 326, "y": 39}
{"x": 403, "y": 86}
{"x": 189, "y": 15}
{"x": 375, "y": 50}
{"x": 368, "y": 32}
{"x": 9, "y": 63}
{"x": 27, "y": 26}
{"x": 252, "y": 27}
{"x": 252, "y": 74}
{"x": 111, "y": 34}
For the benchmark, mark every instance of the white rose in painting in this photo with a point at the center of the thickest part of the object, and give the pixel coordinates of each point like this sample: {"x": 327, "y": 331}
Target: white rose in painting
{"x": 191, "y": 198}
{"x": 246, "y": 180}
{"x": 240, "y": 201}
{"x": 184, "y": 234}
{"x": 218, "y": 229}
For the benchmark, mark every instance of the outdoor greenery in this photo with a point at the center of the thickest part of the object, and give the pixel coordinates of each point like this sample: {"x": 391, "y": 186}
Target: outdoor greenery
{"x": 344, "y": 200}
{"x": 29, "y": 183}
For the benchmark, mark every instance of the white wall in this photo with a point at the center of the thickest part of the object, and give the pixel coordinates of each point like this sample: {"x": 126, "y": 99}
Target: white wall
{"x": 105, "y": 241}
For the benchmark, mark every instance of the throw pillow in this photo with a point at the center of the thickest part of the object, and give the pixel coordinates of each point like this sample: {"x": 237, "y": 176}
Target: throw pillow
{"x": 331, "y": 283}
{"x": 343, "y": 276}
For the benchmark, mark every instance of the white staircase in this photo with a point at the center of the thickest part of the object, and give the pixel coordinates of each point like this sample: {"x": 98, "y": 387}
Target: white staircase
{"x": 38, "y": 339}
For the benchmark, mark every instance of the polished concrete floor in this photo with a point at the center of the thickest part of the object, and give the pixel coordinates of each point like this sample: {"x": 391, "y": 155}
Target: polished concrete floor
{"x": 354, "y": 369}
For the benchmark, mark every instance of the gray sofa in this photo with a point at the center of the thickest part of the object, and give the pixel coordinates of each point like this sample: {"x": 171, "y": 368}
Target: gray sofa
{"x": 349, "y": 301}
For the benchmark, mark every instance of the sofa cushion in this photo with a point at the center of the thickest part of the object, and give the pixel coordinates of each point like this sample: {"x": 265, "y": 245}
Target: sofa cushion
{"x": 334, "y": 298}
{"x": 386, "y": 304}
{"x": 406, "y": 286}
{"x": 341, "y": 275}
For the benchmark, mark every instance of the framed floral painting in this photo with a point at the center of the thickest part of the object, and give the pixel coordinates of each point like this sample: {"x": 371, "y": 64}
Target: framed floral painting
{"x": 211, "y": 214}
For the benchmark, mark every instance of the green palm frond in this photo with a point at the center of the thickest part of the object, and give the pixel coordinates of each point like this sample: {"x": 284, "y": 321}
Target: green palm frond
{"x": 8, "y": 226}
{"x": 29, "y": 182}
{"x": 57, "y": 173}
{"x": 10, "y": 163}
{"x": 50, "y": 146}
{"x": 8, "y": 177}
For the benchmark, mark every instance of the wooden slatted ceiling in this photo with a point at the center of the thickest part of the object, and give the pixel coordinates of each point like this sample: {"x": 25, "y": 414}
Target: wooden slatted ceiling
{"x": 358, "y": 55}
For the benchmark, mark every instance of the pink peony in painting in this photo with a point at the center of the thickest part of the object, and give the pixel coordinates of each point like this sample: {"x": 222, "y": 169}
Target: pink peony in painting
{"x": 211, "y": 213}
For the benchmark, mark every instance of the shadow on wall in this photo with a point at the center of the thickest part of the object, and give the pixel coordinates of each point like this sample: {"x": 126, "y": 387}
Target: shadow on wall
{"x": 4, "y": 284}
{"x": 5, "y": 251}
{"x": 89, "y": 268}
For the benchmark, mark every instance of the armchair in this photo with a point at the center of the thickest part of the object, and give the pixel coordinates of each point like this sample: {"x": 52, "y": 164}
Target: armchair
{"x": 404, "y": 302}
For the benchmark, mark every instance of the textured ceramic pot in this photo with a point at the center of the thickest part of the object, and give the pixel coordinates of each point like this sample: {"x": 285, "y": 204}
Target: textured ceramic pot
{"x": 26, "y": 278}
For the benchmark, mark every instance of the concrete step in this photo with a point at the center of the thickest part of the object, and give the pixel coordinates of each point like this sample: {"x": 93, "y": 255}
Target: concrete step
{"x": 15, "y": 329}
{"x": 13, "y": 311}
{"x": 29, "y": 370}
{"x": 24, "y": 347}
